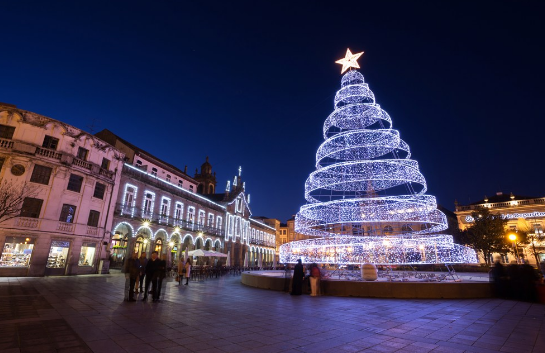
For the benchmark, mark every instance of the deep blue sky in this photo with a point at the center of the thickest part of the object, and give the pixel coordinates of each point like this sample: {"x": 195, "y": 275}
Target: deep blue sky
{"x": 251, "y": 84}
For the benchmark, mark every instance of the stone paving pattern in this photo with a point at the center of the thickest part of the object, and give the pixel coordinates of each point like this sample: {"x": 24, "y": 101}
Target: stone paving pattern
{"x": 88, "y": 314}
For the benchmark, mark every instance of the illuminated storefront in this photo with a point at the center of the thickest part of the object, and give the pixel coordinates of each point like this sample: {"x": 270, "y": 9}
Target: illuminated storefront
{"x": 17, "y": 252}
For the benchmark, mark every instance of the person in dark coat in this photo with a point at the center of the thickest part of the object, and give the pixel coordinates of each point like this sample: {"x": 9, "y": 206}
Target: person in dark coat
{"x": 157, "y": 278}
{"x": 132, "y": 271}
{"x": 143, "y": 263}
{"x": 151, "y": 267}
{"x": 298, "y": 278}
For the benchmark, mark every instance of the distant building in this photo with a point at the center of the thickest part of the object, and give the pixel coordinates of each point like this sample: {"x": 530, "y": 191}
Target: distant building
{"x": 520, "y": 211}
{"x": 159, "y": 209}
{"x": 62, "y": 227}
{"x": 285, "y": 232}
{"x": 246, "y": 239}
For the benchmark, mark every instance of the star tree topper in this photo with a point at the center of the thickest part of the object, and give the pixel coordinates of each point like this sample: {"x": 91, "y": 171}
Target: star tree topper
{"x": 350, "y": 60}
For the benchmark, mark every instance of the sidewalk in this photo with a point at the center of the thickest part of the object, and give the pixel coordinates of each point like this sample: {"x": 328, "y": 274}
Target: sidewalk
{"x": 88, "y": 314}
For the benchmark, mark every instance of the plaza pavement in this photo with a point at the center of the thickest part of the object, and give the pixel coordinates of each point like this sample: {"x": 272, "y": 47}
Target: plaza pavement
{"x": 88, "y": 314}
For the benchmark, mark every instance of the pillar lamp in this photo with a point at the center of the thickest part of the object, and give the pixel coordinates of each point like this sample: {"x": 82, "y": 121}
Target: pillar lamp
{"x": 513, "y": 238}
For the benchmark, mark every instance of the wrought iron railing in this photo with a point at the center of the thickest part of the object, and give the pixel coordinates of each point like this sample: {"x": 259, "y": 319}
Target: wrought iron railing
{"x": 139, "y": 213}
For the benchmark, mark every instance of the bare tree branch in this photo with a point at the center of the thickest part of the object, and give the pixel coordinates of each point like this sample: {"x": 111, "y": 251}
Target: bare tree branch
{"x": 12, "y": 196}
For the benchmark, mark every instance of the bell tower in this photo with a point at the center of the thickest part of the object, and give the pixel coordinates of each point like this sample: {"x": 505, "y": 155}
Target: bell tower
{"x": 206, "y": 179}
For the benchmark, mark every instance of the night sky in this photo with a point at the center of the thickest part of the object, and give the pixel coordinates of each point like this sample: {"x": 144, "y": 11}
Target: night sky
{"x": 251, "y": 84}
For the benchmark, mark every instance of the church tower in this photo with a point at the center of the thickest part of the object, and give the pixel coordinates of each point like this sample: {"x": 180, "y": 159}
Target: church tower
{"x": 207, "y": 180}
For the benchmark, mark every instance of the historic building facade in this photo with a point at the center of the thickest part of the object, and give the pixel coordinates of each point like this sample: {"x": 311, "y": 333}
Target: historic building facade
{"x": 521, "y": 212}
{"x": 67, "y": 180}
{"x": 248, "y": 241}
{"x": 159, "y": 209}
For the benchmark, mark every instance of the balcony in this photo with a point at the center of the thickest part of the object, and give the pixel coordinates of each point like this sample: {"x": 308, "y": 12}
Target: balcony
{"x": 92, "y": 230}
{"x": 66, "y": 227}
{"x": 44, "y": 152}
{"x": 506, "y": 204}
{"x": 6, "y": 143}
{"x": 137, "y": 212}
{"x": 26, "y": 222}
{"x": 82, "y": 164}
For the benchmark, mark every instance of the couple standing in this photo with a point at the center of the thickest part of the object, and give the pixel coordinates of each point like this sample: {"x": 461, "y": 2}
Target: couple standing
{"x": 155, "y": 271}
{"x": 184, "y": 270}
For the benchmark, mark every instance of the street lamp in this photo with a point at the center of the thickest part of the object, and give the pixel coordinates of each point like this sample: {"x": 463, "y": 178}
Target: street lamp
{"x": 513, "y": 238}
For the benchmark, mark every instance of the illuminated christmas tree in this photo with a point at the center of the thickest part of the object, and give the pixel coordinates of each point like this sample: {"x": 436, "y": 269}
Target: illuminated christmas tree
{"x": 366, "y": 201}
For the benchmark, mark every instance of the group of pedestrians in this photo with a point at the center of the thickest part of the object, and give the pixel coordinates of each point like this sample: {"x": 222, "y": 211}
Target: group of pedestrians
{"x": 184, "y": 270}
{"x": 299, "y": 279}
{"x": 515, "y": 281}
{"x": 152, "y": 271}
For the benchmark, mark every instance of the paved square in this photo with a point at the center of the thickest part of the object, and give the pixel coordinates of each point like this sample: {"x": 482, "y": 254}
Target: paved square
{"x": 88, "y": 314}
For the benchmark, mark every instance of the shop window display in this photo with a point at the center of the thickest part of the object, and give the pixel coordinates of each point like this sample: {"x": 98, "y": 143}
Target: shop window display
{"x": 17, "y": 252}
{"x": 87, "y": 255}
{"x": 58, "y": 253}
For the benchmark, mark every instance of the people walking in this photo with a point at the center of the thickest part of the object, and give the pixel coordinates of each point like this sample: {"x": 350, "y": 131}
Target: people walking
{"x": 315, "y": 276}
{"x": 187, "y": 271}
{"x": 143, "y": 263}
{"x": 298, "y": 278}
{"x": 151, "y": 267}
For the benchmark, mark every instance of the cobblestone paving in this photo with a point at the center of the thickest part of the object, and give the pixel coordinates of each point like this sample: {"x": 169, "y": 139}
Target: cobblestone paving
{"x": 88, "y": 314}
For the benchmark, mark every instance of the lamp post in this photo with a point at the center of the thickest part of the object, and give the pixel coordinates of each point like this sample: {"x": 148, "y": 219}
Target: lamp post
{"x": 513, "y": 238}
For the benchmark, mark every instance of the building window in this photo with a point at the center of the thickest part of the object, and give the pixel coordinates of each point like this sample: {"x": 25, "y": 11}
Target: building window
{"x": 191, "y": 214}
{"x": 83, "y": 153}
{"x": 148, "y": 204}
{"x": 31, "y": 207}
{"x": 74, "y": 184}
{"x": 17, "y": 252}
{"x": 202, "y": 216}
{"x": 210, "y": 220}
{"x": 87, "y": 255}
{"x": 191, "y": 188}
{"x": 154, "y": 172}
{"x": 180, "y": 183}
{"x": 165, "y": 207}
{"x": 105, "y": 163}
{"x": 129, "y": 199}
{"x": 100, "y": 189}
{"x": 168, "y": 178}
{"x": 40, "y": 174}
{"x": 93, "y": 218}
{"x": 139, "y": 163}
{"x": 67, "y": 213}
{"x": 179, "y": 211}
{"x": 218, "y": 223}
{"x": 129, "y": 196}
{"x": 6, "y": 132}
{"x": 50, "y": 142}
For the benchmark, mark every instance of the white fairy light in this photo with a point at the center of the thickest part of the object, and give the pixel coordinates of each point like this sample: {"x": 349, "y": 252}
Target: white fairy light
{"x": 366, "y": 199}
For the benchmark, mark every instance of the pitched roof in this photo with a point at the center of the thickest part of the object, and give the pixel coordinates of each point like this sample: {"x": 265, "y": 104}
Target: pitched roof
{"x": 110, "y": 137}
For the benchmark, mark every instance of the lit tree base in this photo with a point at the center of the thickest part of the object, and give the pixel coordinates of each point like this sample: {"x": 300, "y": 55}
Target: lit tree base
{"x": 379, "y": 250}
